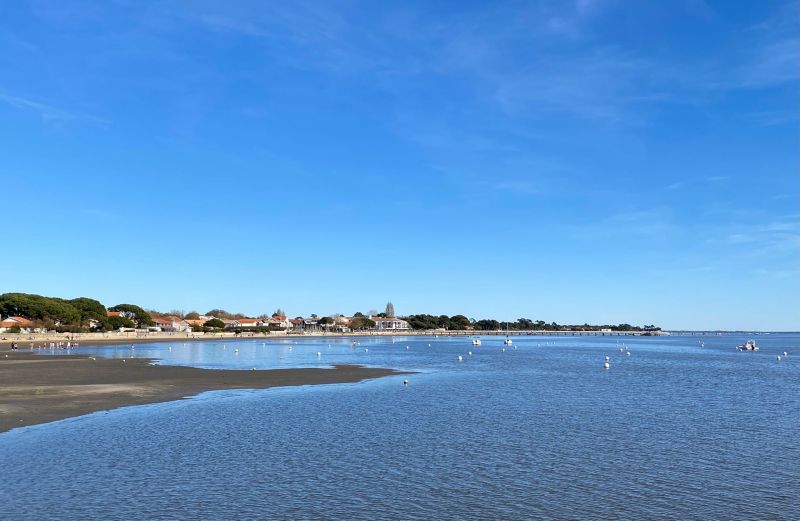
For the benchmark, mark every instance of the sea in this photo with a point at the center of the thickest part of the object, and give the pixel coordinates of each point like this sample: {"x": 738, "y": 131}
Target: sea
{"x": 677, "y": 427}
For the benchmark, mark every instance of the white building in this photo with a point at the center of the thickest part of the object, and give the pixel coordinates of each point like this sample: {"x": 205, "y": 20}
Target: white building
{"x": 390, "y": 324}
{"x": 170, "y": 324}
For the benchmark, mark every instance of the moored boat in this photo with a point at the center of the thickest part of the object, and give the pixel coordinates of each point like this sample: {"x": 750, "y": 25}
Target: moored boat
{"x": 750, "y": 345}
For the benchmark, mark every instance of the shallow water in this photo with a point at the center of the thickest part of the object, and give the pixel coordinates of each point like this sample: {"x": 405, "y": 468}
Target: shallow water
{"x": 673, "y": 430}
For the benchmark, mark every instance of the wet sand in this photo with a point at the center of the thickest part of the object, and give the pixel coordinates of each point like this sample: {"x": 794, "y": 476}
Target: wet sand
{"x": 38, "y": 389}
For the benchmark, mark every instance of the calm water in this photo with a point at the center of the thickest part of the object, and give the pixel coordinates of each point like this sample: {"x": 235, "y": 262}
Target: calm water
{"x": 673, "y": 431}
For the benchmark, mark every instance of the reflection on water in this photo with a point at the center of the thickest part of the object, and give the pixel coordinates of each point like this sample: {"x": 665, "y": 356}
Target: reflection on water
{"x": 541, "y": 430}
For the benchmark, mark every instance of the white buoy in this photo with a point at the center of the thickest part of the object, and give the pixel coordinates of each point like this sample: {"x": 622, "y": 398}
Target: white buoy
{"x": 606, "y": 365}
{"x": 460, "y": 358}
{"x": 620, "y": 349}
{"x": 628, "y": 353}
{"x": 366, "y": 350}
{"x": 785, "y": 354}
{"x": 469, "y": 353}
{"x": 319, "y": 354}
{"x": 405, "y": 381}
{"x": 235, "y": 350}
{"x": 504, "y": 349}
{"x": 608, "y": 358}
{"x": 290, "y": 348}
{"x": 407, "y": 348}
{"x": 779, "y": 358}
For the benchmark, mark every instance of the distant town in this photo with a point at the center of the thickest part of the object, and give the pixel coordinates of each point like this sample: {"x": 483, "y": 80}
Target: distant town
{"x": 28, "y": 313}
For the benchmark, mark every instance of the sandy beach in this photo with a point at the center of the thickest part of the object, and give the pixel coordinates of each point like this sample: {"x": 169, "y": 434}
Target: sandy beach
{"x": 38, "y": 389}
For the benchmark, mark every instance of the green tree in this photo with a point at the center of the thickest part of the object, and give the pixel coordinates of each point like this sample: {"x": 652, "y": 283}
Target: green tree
{"x": 361, "y": 323}
{"x": 89, "y": 309}
{"x": 326, "y": 320}
{"x": 192, "y": 315}
{"x": 459, "y": 322}
{"x": 48, "y": 310}
{"x": 221, "y": 313}
{"x": 488, "y": 325}
{"x": 141, "y": 316}
{"x": 215, "y": 323}
{"x": 118, "y": 322}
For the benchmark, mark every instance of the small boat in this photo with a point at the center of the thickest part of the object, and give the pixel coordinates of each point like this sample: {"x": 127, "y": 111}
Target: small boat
{"x": 507, "y": 341}
{"x": 476, "y": 341}
{"x": 750, "y": 345}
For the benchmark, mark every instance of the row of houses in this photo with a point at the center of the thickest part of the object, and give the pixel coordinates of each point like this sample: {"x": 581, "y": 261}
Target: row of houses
{"x": 169, "y": 323}
{"x": 340, "y": 324}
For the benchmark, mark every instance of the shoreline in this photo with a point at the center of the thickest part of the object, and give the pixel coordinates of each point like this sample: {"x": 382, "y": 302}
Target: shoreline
{"x": 36, "y": 389}
{"x": 25, "y": 339}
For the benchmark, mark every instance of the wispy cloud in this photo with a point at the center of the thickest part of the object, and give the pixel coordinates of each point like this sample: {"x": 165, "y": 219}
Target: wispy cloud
{"x": 50, "y": 113}
{"x": 773, "y": 55}
{"x": 707, "y": 180}
{"x": 778, "y": 238}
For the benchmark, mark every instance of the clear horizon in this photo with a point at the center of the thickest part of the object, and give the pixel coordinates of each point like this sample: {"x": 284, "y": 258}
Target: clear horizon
{"x": 592, "y": 161}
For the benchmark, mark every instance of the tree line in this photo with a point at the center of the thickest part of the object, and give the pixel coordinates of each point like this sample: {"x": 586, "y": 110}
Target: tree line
{"x": 83, "y": 314}
{"x": 460, "y": 322}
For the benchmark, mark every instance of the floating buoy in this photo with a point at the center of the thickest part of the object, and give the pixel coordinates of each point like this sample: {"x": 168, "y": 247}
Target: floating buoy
{"x": 779, "y": 358}
{"x": 290, "y": 348}
{"x": 366, "y": 350}
{"x": 606, "y": 365}
{"x": 319, "y": 354}
{"x": 235, "y": 350}
{"x": 620, "y": 349}
{"x": 785, "y": 354}
{"x": 469, "y": 353}
{"x": 407, "y": 348}
{"x": 628, "y": 353}
{"x": 460, "y": 358}
{"x": 405, "y": 381}
{"x": 608, "y": 358}
{"x": 504, "y": 349}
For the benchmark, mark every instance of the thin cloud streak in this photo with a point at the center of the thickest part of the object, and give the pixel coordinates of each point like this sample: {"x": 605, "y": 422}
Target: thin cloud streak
{"x": 50, "y": 113}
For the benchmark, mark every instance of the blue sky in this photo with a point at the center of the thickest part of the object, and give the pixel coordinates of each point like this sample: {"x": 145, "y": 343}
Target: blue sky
{"x": 588, "y": 161}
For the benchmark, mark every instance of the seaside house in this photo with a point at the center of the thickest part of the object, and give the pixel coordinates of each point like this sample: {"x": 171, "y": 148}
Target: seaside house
{"x": 249, "y": 322}
{"x": 126, "y": 314}
{"x": 170, "y": 324}
{"x": 389, "y": 324}
{"x": 279, "y": 322}
{"x": 196, "y": 322}
{"x": 22, "y": 323}
{"x": 311, "y": 324}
